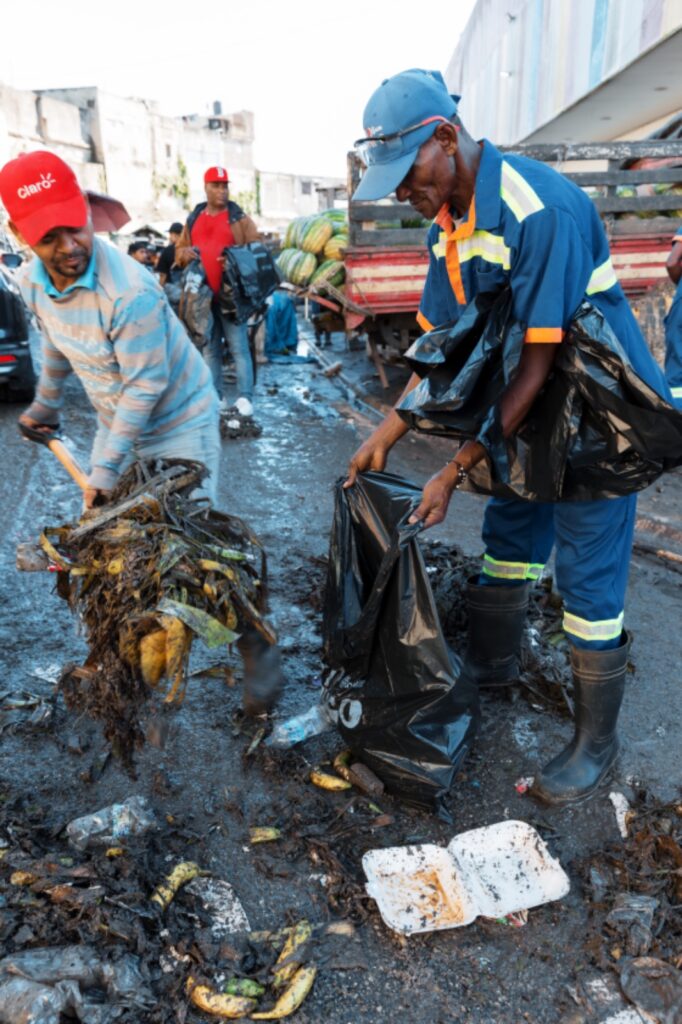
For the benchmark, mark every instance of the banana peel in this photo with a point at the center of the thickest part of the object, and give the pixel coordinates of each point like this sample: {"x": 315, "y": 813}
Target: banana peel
{"x": 326, "y": 781}
{"x": 153, "y": 657}
{"x": 342, "y": 765}
{"x": 219, "y": 1004}
{"x": 180, "y": 875}
{"x": 287, "y": 961}
{"x": 292, "y": 997}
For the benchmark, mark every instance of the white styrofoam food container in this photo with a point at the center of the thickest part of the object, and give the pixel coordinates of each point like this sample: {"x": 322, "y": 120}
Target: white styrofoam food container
{"x": 491, "y": 871}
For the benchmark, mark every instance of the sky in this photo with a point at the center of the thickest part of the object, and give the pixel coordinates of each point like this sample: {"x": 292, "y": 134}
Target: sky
{"x": 306, "y": 69}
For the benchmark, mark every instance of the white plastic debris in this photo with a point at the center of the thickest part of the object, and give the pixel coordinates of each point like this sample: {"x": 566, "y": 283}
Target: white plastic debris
{"x": 131, "y": 817}
{"x": 492, "y": 872}
{"x": 221, "y": 901}
{"x": 622, "y": 809}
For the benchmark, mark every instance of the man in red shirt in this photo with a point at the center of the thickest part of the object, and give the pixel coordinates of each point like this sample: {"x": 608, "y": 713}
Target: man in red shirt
{"x": 211, "y": 227}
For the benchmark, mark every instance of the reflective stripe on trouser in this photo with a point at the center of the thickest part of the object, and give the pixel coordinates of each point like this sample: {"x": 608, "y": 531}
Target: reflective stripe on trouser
{"x": 673, "y": 349}
{"x": 200, "y": 443}
{"x": 511, "y": 570}
{"x": 593, "y": 544}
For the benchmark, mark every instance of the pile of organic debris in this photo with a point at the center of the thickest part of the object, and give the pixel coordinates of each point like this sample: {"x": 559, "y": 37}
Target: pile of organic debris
{"x": 133, "y": 930}
{"x": 147, "y": 574}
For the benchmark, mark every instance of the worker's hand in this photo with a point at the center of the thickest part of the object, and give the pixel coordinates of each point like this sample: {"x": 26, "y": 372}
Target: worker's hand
{"x": 93, "y": 497}
{"x": 28, "y": 421}
{"x": 370, "y": 455}
{"x": 433, "y": 507}
{"x": 185, "y": 256}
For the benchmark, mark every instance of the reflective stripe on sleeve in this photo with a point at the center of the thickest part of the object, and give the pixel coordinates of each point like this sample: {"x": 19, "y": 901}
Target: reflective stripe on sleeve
{"x": 423, "y": 322}
{"x": 676, "y": 392}
{"x": 606, "y": 629}
{"x": 543, "y": 335}
{"x": 515, "y": 191}
{"x": 603, "y": 277}
{"x": 511, "y": 570}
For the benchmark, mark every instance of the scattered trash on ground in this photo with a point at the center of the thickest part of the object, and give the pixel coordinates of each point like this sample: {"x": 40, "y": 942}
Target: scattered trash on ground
{"x": 110, "y": 825}
{"x": 495, "y": 871}
{"x": 622, "y": 809}
{"x": 233, "y": 425}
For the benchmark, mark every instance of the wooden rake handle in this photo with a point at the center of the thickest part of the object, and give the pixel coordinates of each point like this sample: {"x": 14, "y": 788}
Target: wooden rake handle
{"x": 53, "y": 440}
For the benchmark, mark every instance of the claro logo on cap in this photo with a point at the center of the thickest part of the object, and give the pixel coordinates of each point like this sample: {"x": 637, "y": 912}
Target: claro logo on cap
{"x": 46, "y": 182}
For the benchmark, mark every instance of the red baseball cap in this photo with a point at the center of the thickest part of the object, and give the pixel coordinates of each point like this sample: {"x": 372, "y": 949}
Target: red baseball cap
{"x": 216, "y": 174}
{"x": 40, "y": 192}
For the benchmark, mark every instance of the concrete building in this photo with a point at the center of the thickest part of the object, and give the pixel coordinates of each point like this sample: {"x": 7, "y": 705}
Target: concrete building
{"x": 126, "y": 147}
{"x": 153, "y": 163}
{"x": 568, "y": 70}
{"x": 285, "y": 196}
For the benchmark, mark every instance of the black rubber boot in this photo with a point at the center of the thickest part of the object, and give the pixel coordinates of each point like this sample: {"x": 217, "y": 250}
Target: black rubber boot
{"x": 599, "y": 684}
{"x": 262, "y": 674}
{"x": 497, "y": 616}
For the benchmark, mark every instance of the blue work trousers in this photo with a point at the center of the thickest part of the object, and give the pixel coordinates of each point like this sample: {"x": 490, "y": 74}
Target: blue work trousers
{"x": 673, "y": 347}
{"x": 593, "y": 546}
{"x": 236, "y": 336}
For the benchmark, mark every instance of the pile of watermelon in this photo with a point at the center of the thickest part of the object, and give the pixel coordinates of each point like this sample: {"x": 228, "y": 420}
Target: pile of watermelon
{"x": 314, "y": 248}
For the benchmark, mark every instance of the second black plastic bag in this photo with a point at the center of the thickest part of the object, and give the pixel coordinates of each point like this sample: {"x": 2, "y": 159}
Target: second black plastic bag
{"x": 412, "y": 720}
{"x": 596, "y": 430}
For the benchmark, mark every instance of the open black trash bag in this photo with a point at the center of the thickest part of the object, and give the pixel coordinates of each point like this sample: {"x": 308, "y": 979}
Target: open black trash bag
{"x": 596, "y": 430}
{"x": 412, "y": 721}
{"x": 250, "y": 275}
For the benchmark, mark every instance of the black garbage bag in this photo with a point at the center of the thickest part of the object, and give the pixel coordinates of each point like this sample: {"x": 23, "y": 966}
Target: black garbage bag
{"x": 596, "y": 430}
{"x": 412, "y": 720}
{"x": 250, "y": 275}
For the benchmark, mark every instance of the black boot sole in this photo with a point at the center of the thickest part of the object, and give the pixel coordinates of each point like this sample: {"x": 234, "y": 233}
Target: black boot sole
{"x": 553, "y": 800}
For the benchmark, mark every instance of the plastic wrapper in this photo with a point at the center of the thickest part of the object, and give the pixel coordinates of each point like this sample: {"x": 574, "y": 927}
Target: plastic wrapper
{"x": 111, "y": 824}
{"x": 46, "y": 986}
{"x": 596, "y": 430}
{"x": 411, "y": 721}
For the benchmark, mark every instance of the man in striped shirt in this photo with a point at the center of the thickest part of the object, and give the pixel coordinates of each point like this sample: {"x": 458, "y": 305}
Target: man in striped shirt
{"x": 503, "y": 220}
{"x": 104, "y": 316}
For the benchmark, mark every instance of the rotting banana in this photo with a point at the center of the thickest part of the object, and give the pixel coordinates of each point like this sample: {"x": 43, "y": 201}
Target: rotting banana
{"x": 342, "y": 765}
{"x": 179, "y": 876}
{"x": 287, "y": 961}
{"x": 244, "y": 987}
{"x": 263, "y": 834}
{"x": 291, "y": 999}
{"x": 22, "y": 878}
{"x": 326, "y": 781}
{"x": 219, "y": 1004}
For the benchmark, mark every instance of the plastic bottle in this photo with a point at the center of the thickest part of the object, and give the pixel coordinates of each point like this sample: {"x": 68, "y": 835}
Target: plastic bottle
{"x": 129, "y": 818}
{"x": 316, "y": 720}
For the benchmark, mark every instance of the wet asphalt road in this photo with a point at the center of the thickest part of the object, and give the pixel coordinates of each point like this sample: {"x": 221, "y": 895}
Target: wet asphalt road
{"x": 282, "y": 484}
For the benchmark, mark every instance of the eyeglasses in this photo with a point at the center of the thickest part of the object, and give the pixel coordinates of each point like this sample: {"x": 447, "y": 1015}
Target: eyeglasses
{"x": 380, "y": 149}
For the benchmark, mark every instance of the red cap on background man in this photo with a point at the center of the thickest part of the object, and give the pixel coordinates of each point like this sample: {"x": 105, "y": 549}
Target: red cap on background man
{"x": 40, "y": 192}
{"x": 216, "y": 174}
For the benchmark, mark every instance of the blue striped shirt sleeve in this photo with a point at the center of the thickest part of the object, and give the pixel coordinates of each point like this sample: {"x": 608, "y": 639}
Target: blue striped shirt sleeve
{"x": 138, "y": 333}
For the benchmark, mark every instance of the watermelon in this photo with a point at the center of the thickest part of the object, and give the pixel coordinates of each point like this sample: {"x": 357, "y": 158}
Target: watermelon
{"x": 329, "y": 270}
{"x": 300, "y": 226}
{"x": 316, "y": 234}
{"x": 285, "y": 259}
{"x": 336, "y": 247}
{"x": 302, "y": 268}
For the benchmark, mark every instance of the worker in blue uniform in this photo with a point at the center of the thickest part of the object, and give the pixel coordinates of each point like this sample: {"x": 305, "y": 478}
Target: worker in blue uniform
{"x": 507, "y": 220}
{"x": 673, "y": 322}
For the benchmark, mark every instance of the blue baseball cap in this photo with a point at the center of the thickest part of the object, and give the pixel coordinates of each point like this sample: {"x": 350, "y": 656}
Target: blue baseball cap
{"x": 401, "y": 116}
